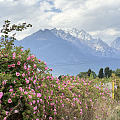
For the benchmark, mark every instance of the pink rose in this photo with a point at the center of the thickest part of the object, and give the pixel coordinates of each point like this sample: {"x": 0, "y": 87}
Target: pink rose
{"x": 33, "y": 101}
{"x": 23, "y": 74}
{"x": 9, "y": 66}
{"x": 27, "y": 81}
{"x": 34, "y": 65}
{"x": 46, "y": 68}
{"x": 39, "y": 60}
{"x": 35, "y": 108}
{"x": 5, "y": 118}
{"x": 19, "y": 56}
{"x": 38, "y": 95}
{"x": 14, "y": 54}
{"x": 17, "y": 74}
{"x": 32, "y": 56}
{"x": 29, "y": 58}
{"x": 4, "y": 82}
{"x": 30, "y": 96}
{"x": 18, "y": 63}
{"x": 55, "y": 113}
{"x": 25, "y": 67}
{"x": 40, "y": 100}
{"x": 21, "y": 50}
{"x": 13, "y": 65}
{"x": 7, "y": 112}
{"x": 25, "y": 92}
{"x": 16, "y": 111}
{"x": 50, "y": 118}
{"x": 34, "y": 81}
{"x": 11, "y": 90}
{"x": 20, "y": 88}
{"x": 9, "y": 100}
{"x": 1, "y": 94}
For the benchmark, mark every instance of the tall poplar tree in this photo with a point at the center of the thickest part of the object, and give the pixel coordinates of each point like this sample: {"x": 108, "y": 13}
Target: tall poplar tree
{"x": 101, "y": 74}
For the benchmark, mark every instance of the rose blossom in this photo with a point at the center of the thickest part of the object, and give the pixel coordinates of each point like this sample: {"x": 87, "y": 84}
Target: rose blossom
{"x": 1, "y": 94}
{"x": 23, "y": 74}
{"x": 9, "y": 100}
{"x": 13, "y": 65}
{"x": 46, "y": 68}
{"x": 14, "y": 54}
{"x": 18, "y": 63}
{"x": 17, "y": 74}
{"x": 38, "y": 95}
{"x": 11, "y": 90}
{"x": 35, "y": 108}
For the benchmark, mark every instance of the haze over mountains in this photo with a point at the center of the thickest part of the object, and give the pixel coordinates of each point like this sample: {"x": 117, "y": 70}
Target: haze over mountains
{"x": 72, "y": 51}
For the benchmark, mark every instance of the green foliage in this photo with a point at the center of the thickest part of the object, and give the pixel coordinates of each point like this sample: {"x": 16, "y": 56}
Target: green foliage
{"x": 101, "y": 74}
{"x": 117, "y": 72}
{"x": 83, "y": 74}
{"x": 93, "y": 75}
{"x": 89, "y": 72}
{"x": 117, "y": 93}
{"x": 107, "y": 72}
{"x": 21, "y": 75}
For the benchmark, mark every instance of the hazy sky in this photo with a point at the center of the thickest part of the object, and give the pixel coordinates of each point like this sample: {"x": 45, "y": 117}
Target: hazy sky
{"x": 101, "y": 18}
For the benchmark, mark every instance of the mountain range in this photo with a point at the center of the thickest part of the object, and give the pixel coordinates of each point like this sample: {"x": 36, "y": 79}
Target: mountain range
{"x": 116, "y": 43}
{"x": 72, "y": 51}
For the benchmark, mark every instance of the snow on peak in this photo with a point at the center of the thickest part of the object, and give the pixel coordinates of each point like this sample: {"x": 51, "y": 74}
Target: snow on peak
{"x": 116, "y": 43}
{"x": 63, "y": 34}
{"x": 81, "y": 34}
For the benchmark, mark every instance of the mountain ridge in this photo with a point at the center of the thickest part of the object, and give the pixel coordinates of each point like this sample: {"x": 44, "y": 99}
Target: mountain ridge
{"x": 65, "y": 52}
{"x": 116, "y": 43}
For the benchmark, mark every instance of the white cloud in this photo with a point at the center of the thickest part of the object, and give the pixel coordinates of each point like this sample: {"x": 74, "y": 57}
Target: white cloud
{"x": 45, "y": 6}
{"x": 99, "y": 17}
{"x": 88, "y": 14}
{"x": 111, "y": 32}
{"x": 29, "y": 2}
{"x": 33, "y": 13}
{"x": 108, "y": 34}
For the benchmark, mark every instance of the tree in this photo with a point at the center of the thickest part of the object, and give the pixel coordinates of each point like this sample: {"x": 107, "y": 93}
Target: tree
{"x": 117, "y": 72}
{"x": 106, "y": 72}
{"x": 101, "y": 74}
{"x": 83, "y": 74}
{"x": 93, "y": 74}
{"x": 110, "y": 73}
{"x": 89, "y": 72}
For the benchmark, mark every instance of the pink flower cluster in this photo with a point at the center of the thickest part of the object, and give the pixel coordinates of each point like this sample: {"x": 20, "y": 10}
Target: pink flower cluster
{"x": 39, "y": 95}
{"x": 14, "y": 55}
{"x": 1, "y": 94}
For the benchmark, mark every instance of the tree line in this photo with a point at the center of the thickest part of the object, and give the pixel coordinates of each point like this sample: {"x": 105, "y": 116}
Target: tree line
{"x": 103, "y": 73}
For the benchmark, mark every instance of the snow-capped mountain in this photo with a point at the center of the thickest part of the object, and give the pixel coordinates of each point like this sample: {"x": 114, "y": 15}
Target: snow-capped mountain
{"x": 101, "y": 48}
{"x": 116, "y": 43}
{"x": 81, "y": 34}
{"x": 67, "y": 53}
{"x": 49, "y": 42}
